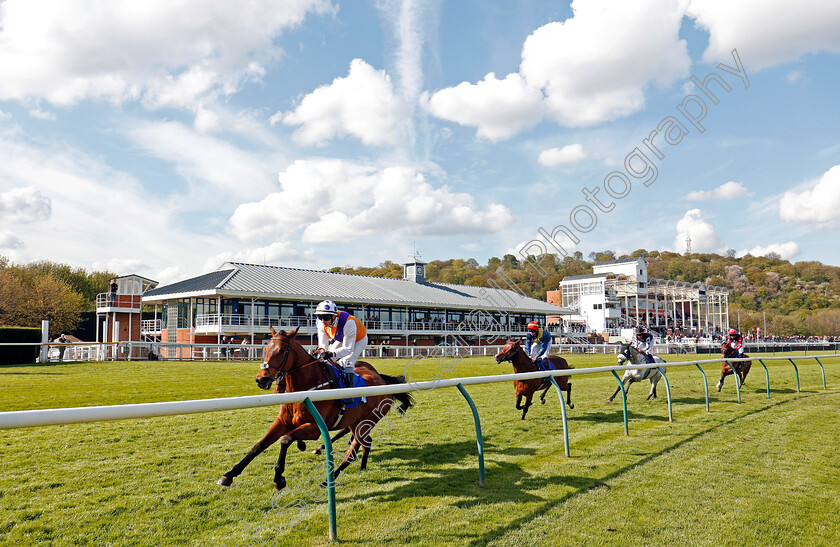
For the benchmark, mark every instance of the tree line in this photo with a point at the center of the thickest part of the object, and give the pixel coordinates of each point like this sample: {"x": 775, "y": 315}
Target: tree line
{"x": 801, "y": 298}
{"x": 48, "y": 290}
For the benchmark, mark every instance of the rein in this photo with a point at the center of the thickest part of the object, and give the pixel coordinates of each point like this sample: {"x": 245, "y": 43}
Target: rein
{"x": 281, "y": 374}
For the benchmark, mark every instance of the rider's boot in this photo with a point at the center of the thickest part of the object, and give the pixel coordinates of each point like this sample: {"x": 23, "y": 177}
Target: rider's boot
{"x": 349, "y": 377}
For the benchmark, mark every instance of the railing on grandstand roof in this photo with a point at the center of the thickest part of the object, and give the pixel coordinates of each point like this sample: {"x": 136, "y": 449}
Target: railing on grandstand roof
{"x": 215, "y": 322}
{"x": 111, "y": 300}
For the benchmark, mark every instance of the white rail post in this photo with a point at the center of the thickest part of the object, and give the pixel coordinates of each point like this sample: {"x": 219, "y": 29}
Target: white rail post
{"x": 45, "y": 337}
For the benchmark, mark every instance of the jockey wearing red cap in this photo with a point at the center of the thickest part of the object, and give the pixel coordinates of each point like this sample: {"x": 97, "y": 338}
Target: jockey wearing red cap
{"x": 538, "y": 341}
{"x": 736, "y": 342}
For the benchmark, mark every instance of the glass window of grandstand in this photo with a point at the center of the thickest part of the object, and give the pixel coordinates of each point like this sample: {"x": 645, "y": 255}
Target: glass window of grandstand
{"x": 183, "y": 313}
{"x": 398, "y": 318}
{"x": 419, "y": 318}
{"x": 377, "y": 316}
{"x": 455, "y": 316}
{"x": 353, "y": 309}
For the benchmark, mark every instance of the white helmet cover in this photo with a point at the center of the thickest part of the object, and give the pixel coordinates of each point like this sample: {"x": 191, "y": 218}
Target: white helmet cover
{"x": 326, "y": 307}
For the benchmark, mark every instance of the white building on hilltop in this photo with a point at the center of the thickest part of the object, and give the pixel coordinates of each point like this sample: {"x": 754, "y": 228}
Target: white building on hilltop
{"x": 619, "y": 294}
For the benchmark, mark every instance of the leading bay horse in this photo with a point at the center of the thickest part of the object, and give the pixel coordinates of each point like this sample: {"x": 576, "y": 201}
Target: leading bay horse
{"x": 513, "y": 352}
{"x": 287, "y": 362}
{"x": 627, "y": 353}
{"x": 741, "y": 367}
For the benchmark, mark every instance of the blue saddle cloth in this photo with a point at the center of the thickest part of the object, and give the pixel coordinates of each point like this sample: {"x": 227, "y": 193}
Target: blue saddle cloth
{"x": 358, "y": 381}
{"x": 544, "y": 364}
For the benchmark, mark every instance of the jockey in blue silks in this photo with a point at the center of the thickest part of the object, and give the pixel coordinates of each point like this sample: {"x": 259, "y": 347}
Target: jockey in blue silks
{"x": 643, "y": 342}
{"x": 537, "y": 343}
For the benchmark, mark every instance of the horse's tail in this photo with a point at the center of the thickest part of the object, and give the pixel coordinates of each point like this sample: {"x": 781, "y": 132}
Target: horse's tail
{"x": 405, "y": 399}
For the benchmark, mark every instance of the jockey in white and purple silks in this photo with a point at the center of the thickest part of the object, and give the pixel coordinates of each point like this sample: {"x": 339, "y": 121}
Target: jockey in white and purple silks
{"x": 340, "y": 335}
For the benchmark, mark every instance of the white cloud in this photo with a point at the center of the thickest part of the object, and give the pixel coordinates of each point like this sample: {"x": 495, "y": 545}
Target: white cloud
{"x": 497, "y": 108}
{"x": 203, "y": 159}
{"x": 162, "y": 52}
{"x": 817, "y": 205}
{"x": 335, "y": 200}
{"x": 123, "y": 266}
{"x": 794, "y": 76}
{"x": 767, "y": 32}
{"x": 727, "y": 190}
{"x": 21, "y": 205}
{"x": 277, "y": 252}
{"x": 363, "y": 105}
{"x": 704, "y": 237}
{"x": 95, "y": 212}
{"x": 39, "y": 114}
{"x": 785, "y": 250}
{"x": 596, "y": 65}
{"x": 571, "y": 153}
{"x": 8, "y": 240}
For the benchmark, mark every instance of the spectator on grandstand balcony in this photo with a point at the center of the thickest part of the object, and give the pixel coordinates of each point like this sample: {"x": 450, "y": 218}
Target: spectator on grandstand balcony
{"x": 113, "y": 287}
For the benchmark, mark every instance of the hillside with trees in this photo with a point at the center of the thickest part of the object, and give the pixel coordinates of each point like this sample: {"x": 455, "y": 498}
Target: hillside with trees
{"x": 801, "y": 298}
{"x": 47, "y": 290}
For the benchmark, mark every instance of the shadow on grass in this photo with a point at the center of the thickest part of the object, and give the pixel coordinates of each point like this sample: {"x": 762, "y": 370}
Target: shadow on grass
{"x": 585, "y": 484}
{"x": 615, "y": 417}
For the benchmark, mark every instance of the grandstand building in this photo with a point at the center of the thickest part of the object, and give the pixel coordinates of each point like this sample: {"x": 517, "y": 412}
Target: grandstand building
{"x": 620, "y": 295}
{"x": 245, "y": 300}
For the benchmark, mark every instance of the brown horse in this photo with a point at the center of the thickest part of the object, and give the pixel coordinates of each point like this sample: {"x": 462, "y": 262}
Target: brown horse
{"x": 741, "y": 367}
{"x": 287, "y": 362}
{"x": 513, "y": 352}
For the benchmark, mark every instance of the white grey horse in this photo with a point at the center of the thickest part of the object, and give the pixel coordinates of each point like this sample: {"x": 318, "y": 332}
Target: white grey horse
{"x": 627, "y": 353}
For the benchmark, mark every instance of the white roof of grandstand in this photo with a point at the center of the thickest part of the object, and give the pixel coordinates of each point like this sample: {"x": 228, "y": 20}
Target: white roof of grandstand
{"x": 617, "y": 261}
{"x": 234, "y": 279}
{"x": 585, "y": 276}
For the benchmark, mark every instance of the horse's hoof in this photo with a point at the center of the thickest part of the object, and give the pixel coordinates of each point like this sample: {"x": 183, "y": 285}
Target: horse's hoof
{"x": 225, "y": 481}
{"x": 301, "y": 446}
{"x": 609, "y": 401}
{"x": 317, "y": 451}
{"x": 280, "y": 483}
{"x": 571, "y": 405}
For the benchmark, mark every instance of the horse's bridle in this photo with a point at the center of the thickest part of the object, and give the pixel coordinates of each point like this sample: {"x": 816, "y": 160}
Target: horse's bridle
{"x": 281, "y": 374}
{"x": 506, "y": 356}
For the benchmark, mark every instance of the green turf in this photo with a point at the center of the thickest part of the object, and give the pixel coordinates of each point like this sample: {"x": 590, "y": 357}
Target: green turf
{"x": 763, "y": 472}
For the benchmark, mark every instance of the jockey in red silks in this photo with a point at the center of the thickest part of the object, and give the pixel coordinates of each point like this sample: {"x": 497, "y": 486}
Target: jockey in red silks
{"x": 736, "y": 342}
{"x": 538, "y": 341}
{"x": 340, "y": 335}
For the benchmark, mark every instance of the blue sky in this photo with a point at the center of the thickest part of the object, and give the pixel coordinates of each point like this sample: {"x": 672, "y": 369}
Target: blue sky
{"x": 163, "y": 140}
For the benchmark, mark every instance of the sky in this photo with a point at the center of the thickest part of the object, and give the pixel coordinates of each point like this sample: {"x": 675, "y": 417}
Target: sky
{"x": 163, "y": 139}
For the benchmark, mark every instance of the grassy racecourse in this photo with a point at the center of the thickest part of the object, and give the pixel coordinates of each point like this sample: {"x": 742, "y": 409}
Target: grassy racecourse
{"x": 764, "y": 472}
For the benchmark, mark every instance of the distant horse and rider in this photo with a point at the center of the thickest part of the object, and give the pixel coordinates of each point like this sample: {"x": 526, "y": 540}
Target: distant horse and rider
{"x": 741, "y": 368}
{"x": 525, "y": 389}
{"x": 286, "y": 362}
{"x": 628, "y": 354}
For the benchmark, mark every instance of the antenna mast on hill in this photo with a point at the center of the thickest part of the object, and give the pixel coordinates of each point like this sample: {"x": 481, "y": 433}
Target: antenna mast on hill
{"x": 688, "y": 243}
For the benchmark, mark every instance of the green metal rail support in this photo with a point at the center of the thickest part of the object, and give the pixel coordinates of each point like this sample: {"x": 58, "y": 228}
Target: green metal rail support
{"x": 737, "y": 381}
{"x": 767, "y": 376}
{"x": 668, "y": 393}
{"x": 797, "y": 374}
{"x": 563, "y": 413}
{"x": 624, "y": 402}
{"x": 479, "y": 440}
{"x": 705, "y": 385}
{"x": 823, "y": 370}
{"x": 325, "y": 435}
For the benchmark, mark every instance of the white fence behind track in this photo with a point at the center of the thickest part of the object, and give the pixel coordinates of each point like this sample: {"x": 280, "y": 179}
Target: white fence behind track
{"x": 33, "y": 418}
